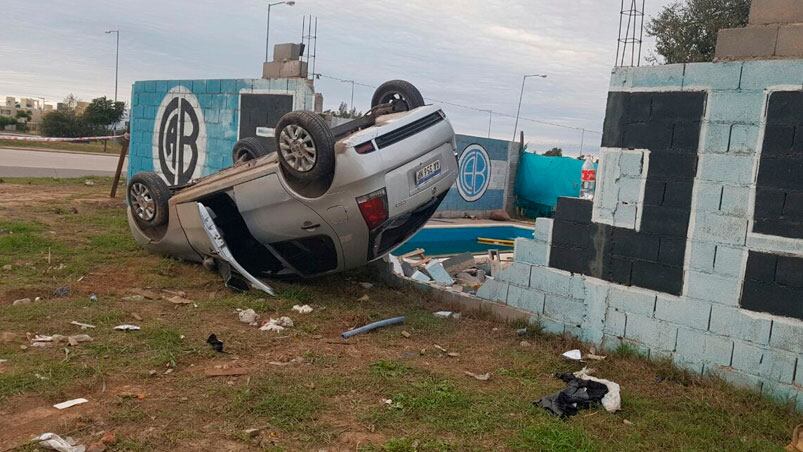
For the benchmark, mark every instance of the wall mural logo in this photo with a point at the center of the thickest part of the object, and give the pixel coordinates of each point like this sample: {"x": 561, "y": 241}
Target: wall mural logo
{"x": 474, "y": 172}
{"x": 179, "y": 138}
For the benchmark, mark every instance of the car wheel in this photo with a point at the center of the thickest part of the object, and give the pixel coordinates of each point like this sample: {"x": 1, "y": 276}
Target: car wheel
{"x": 248, "y": 148}
{"x": 306, "y": 146}
{"x": 399, "y": 93}
{"x": 147, "y": 197}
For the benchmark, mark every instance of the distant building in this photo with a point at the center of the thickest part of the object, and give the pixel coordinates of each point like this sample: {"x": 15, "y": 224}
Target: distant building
{"x": 80, "y": 107}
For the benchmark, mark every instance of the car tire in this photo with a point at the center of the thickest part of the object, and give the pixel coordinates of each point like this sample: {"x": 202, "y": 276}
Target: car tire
{"x": 395, "y": 91}
{"x": 248, "y": 148}
{"x": 306, "y": 146}
{"x": 147, "y": 197}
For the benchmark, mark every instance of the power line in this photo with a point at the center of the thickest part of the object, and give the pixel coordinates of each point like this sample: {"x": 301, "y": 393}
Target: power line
{"x": 468, "y": 107}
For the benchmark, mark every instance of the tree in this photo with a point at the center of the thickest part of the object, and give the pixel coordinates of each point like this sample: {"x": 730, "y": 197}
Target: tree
{"x": 102, "y": 112}
{"x": 554, "y": 152}
{"x": 65, "y": 124}
{"x": 344, "y": 112}
{"x": 6, "y": 121}
{"x": 71, "y": 102}
{"x": 687, "y": 32}
{"x": 24, "y": 114}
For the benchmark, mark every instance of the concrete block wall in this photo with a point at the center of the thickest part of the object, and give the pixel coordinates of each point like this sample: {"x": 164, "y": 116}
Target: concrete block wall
{"x": 774, "y": 30}
{"x": 737, "y": 311}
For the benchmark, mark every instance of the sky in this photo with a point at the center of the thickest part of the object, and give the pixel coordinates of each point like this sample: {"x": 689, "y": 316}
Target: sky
{"x": 465, "y": 52}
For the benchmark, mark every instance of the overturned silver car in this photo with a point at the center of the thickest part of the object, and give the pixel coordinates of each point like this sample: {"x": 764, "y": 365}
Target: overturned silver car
{"x": 327, "y": 200}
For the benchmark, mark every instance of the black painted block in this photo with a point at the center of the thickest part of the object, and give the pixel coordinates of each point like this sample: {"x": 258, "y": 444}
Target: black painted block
{"x": 660, "y": 277}
{"x": 785, "y": 107}
{"x": 769, "y": 202}
{"x": 574, "y": 209}
{"x": 575, "y": 260}
{"x": 678, "y": 105}
{"x": 618, "y": 269}
{"x": 778, "y": 140}
{"x": 654, "y": 192}
{"x": 782, "y": 173}
{"x": 647, "y": 135}
{"x": 614, "y": 119}
{"x": 781, "y": 227}
{"x": 672, "y": 166}
{"x": 672, "y": 251}
{"x": 629, "y": 243}
{"x": 662, "y": 220}
{"x": 790, "y": 272}
{"x": 686, "y": 136}
{"x": 761, "y": 267}
{"x": 678, "y": 194}
{"x": 793, "y": 206}
{"x": 638, "y": 107}
{"x": 571, "y": 234}
{"x": 772, "y": 298}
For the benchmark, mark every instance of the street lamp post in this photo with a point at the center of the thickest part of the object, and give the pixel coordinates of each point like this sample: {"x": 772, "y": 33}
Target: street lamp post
{"x": 116, "y": 59}
{"x": 523, "y": 79}
{"x": 267, "y": 26}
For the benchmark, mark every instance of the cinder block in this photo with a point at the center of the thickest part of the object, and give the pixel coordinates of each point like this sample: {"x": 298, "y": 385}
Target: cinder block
{"x": 691, "y": 313}
{"x": 696, "y": 345}
{"x": 199, "y": 86}
{"x": 535, "y": 252}
{"x": 743, "y": 106}
{"x": 775, "y": 11}
{"x": 516, "y": 273}
{"x": 758, "y": 75}
{"x": 783, "y": 394}
{"x": 630, "y": 189}
{"x": 740, "y": 324}
{"x": 528, "y": 299}
{"x": 790, "y": 41}
{"x": 732, "y": 169}
{"x": 713, "y": 288}
{"x": 632, "y": 300}
{"x": 564, "y": 309}
{"x": 611, "y": 343}
{"x": 493, "y": 290}
{"x": 701, "y": 256}
{"x": 625, "y": 216}
{"x": 709, "y": 196}
{"x": 743, "y": 139}
{"x": 799, "y": 371}
{"x": 735, "y": 200}
{"x": 615, "y": 322}
{"x": 288, "y": 69}
{"x": 718, "y": 76}
{"x": 716, "y": 137}
{"x": 650, "y": 332}
{"x": 550, "y": 326}
{"x": 657, "y": 76}
{"x": 736, "y": 378}
{"x": 746, "y": 357}
{"x": 558, "y": 282}
{"x": 286, "y": 51}
{"x": 787, "y": 335}
{"x": 213, "y": 86}
{"x": 711, "y": 227}
{"x": 749, "y": 42}
{"x": 543, "y": 229}
{"x": 778, "y": 366}
{"x": 596, "y": 302}
{"x": 631, "y": 164}
{"x": 621, "y": 78}
{"x": 730, "y": 261}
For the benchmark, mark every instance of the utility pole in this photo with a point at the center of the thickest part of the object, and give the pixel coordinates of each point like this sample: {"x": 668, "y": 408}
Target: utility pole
{"x": 582, "y": 139}
{"x": 116, "y": 60}
{"x": 267, "y": 25}
{"x": 490, "y": 118}
{"x": 521, "y": 95}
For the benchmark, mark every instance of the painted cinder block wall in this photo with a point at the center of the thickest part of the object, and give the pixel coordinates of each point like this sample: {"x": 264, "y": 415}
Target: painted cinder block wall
{"x": 693, "y": 246}
{"x": 184, "y": 129}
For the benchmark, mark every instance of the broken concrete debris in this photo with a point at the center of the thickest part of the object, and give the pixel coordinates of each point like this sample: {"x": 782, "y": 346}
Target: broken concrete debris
{"x": 21, "y": 301}
{"x": 277, "y": 325}
{"x": 481, "y": 377}
{"x": 248, "y": 316}
{"x": 127, "y": 327}
{"x": 439, "y": 274}
{"x": 302, "y": 309}
{"x": 459, "y": 263}
{"x": 373, "y": 326}
{"x": 82, "y": 325}
{"x": 55, "y": 442}
{"x": 447, "y": 315}
{"x": 45, "y": 341}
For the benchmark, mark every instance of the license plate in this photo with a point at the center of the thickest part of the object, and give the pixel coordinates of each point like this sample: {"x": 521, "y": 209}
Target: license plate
{"x": 428, "y": 172}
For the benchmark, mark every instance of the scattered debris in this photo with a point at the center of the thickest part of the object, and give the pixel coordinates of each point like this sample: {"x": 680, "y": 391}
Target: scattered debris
{"x": 372, "y": 326}
{"x": 574, "y": 355}
{"x": 93, "y": 298}
{"x": 178, "y": 299}
{"x": 302, "y": 309}
{"x": 44, "y": 341}
{"x": 21, "y": 301}
{"x": 248, "y": 316}
{"x": 419, "y": 276}
{"x": 626, "y": 422}
{"x": 364, "y": 298}
{"x": 447, "y": 314}
{"x": 226, "y": 372}
{"x": 7, "y": 267}
{"x": 458, "y": 263}
{"x": 612, "y": 402}
{"x": 217, "y": 344}
{"x": 594, "y": 357}
{"x": 287, "y": 363}
{"x": 452, "y": 354}
{"x": 69, "y": 403}
{"x": 406, "y": 334}
{"x": 277, "y": 325}
{"x": 55, "y": 442}
{"x": 481, "y": 377}
{"x": 578, "y": 394}
{"x": 89, "y": 182}
{"x": 439, "y": 274}
{"x": 521, "y": 331}
{"x": 127, "y": 327}
{"x": 366, "y": 285}
{"x": 415, "y": 252}
{"x": 82, "y": 325}
{"x": 62, "y": 292}
{"x": 524, "y": 344}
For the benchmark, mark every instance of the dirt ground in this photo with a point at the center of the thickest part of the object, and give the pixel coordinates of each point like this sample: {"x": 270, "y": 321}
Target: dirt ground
{"x": 304, "y": 388}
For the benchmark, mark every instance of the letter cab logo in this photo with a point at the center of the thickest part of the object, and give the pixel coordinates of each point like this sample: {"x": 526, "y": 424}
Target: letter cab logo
{"x": 474, "y": 172}
{"x": 179, "y": 138}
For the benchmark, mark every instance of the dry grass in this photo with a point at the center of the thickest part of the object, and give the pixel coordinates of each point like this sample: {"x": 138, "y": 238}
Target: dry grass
{"x": 62, "y": 233}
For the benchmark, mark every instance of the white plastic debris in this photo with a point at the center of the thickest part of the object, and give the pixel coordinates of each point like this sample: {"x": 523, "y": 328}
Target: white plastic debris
{"x": 366, "y": 285}
{"x": 127, "y": 327}
{"x": 574, "y": 355}
{"x": 82, "y": 325}
{"x": 395, "y": 264}
{"x": 44, "y": 341}
{"x": 248, "y": 316}
{"x": 302, "y": 309}
{"x": 612, "y": 401}
{"x": 481, "y": 377}
{"x": 69, "y": 403}
{"x": 55, "y": 442}
{"x": 447, "y": 314}
{"x": 271, "y": 327}
{"x": 277, "y": 325}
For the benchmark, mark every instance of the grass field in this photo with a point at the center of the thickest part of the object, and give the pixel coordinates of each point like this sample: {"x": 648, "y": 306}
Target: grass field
{"x": 112, "y": 147}
{"x": 150, "y": 387}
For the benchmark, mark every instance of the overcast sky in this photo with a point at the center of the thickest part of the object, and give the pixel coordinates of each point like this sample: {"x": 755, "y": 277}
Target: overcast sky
{"x": 468, "y": 52}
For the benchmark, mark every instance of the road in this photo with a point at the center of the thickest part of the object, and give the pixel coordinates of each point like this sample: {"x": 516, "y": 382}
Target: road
{"x": 28, "y": 163}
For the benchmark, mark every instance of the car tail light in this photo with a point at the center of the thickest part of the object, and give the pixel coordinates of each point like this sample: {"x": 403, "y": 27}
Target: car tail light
{"x": 374, "y": 208}
{"x": 365, "y": 148}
